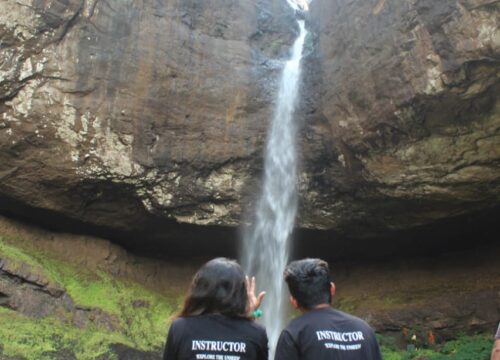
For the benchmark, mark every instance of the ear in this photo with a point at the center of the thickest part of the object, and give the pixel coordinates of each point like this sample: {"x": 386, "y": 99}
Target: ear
{"x": 333, "y": 290}
{"x": 294, "y": 302}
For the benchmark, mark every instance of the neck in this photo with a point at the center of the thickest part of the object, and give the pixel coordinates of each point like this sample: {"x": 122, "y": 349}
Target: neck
{"x": 316, "y": 307}
{"x": 321, "y": 306}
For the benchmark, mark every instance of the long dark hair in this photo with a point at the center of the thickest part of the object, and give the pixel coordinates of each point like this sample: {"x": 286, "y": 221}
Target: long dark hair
{"x": 217, "y": 288}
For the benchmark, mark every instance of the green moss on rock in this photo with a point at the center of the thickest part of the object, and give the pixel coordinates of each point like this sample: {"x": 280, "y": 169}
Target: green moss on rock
{"x": 140, "y": 315}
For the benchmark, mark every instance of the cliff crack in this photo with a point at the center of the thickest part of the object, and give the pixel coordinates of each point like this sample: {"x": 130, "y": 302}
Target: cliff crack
{"x": 92, "y": 9}
{"x": 70, "y": 23}
{"x": 6, "y": 174}
{"x": 483, "y": 5}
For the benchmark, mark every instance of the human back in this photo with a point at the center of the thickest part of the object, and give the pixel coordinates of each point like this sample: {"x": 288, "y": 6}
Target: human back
{"x": 214, "y": 336}
{"x": 214, "y": 322}
{"x": 329, "y": 334}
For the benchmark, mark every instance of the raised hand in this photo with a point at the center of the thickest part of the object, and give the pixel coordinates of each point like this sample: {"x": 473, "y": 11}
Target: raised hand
{"x": 254, "y": 300}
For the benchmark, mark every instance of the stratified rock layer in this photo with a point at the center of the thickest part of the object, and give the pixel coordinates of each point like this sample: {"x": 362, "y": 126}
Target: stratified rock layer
{"x": 113, "y": 110}
{"x": 405, "y": 125}
{"x": 118, "y": 112}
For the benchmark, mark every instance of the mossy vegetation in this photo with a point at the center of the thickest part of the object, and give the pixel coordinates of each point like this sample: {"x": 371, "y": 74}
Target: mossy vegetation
{"x": 140, "y": 315}
{"x": 36, "y": 338}
{"x": 18, "y": 258}
{"x": 464, "y": 348}
{"x": 352, "y": 303}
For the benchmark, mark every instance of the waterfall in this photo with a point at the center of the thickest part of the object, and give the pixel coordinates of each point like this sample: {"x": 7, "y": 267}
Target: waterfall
{"x": 266, "y": 244}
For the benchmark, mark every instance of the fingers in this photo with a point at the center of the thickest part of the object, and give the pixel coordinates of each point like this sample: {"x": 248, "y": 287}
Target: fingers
{"x": 250, "y": 282}
{"x": 254, "y": 301}
{"x": 260, "y": 297}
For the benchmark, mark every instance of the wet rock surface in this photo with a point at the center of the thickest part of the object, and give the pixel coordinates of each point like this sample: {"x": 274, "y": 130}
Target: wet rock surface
{"x": 404, "y": 128}
{"x": 446, "y": 315}
{"x": 114, "y": 111}
{"x": 25, "y": 291}
{"x": 448, "y": 294}
{"x": 124, "y": 114}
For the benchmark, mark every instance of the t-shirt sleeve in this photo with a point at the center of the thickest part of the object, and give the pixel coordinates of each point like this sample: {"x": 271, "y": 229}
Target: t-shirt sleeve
{"x": 287, "y": 348}
{"x": 497, "y": 336}
{"x": 172, "y": 345}
{"x": 375, "y": 353}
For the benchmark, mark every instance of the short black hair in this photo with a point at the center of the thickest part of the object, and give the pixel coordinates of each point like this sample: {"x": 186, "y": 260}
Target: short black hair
{"x": 218, "y": 287}
{"x": 309, "y": 282}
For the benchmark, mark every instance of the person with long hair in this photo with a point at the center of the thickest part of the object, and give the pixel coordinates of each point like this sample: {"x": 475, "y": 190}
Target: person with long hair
{"x": 216, "y": 320}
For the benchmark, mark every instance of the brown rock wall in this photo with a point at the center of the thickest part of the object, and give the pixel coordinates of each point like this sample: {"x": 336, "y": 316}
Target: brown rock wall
{"x": 113, "y": 110}
{"x": 118, "y": 112}
{"x": 406, "y": 128}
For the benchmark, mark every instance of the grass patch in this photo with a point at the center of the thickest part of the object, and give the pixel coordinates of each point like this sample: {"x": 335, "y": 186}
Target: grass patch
{"x": 351, "y": 304}
{"x": 464, "y": 348}
{"x": 346, "y": 304}
{"x": 18, "y": 258}
{"x": 33, "y": 339}
{"x": 142, "y": 315}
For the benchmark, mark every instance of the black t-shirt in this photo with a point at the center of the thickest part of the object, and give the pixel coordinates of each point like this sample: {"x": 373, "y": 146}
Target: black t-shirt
{"x": 215, "y": 337}
{"x": 327, "y": 334}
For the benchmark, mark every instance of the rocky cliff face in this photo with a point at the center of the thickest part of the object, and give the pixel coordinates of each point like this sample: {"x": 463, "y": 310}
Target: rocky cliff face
{"x": 114, "y": 110}
{"x": 406, "y": 123}
{"x": 118, "y": 112}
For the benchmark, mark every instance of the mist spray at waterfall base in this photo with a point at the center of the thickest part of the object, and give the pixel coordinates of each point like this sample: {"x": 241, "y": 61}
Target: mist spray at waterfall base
{"x": 266, "y": 245}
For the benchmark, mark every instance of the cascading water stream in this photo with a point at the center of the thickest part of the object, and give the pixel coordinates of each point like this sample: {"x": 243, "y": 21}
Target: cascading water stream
{"x": 266, "y": 245}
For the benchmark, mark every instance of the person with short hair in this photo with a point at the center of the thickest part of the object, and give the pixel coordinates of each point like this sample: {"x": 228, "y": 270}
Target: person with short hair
{"x": 321, "y": 332}
{"x": 216, "y": 321}
{"x": 495, "y": 352}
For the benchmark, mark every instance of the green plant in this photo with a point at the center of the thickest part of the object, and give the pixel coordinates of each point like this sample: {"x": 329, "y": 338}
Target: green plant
{"x": 468, "y": 347}
{"x": 464, "y": 348}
